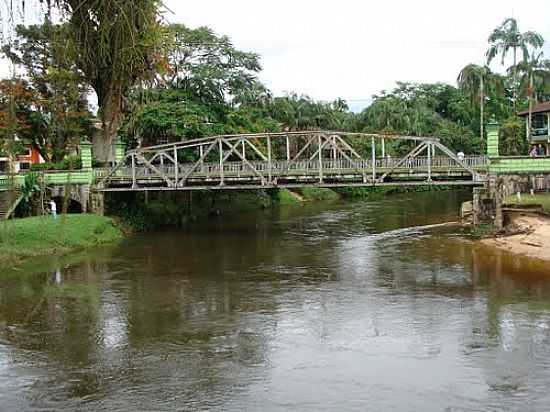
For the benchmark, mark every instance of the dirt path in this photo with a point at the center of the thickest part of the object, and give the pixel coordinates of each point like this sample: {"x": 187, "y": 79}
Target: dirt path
{"x": 534, "y": 243}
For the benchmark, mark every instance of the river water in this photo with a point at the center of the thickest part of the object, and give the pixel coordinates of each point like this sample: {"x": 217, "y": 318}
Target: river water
{"x": 326, "y": 307}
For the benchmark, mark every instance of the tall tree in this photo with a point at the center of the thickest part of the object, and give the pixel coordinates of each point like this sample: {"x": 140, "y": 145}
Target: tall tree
{"x": 535, "y": 79}
{"x": 58, "y": 112}
{"x": 507, "y": 37}
{"x": 208, "y": 66}
{"x": 117, "y": 44}
{"x": 15, "y": 99}
{"x": 475, "y": 81}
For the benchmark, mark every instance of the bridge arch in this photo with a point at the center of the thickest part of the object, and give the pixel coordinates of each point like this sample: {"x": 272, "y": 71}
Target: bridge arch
{"x": 78, "y": 197}
{"x": 291, "y": 159}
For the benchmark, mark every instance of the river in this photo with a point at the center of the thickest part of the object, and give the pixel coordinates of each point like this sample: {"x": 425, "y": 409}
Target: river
{"x": 325, "y": 307}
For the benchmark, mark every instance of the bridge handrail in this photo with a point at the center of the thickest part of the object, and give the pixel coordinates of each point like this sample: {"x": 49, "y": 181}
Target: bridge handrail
{"x": 278, "y": 166}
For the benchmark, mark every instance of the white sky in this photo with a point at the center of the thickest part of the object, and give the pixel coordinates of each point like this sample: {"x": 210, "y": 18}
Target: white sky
{"x": 355, "y": 48}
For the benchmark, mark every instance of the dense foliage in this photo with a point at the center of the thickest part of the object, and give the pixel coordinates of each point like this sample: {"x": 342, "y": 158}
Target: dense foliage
{"x": 51, "y": 104}
{"x": 157, "y": 83}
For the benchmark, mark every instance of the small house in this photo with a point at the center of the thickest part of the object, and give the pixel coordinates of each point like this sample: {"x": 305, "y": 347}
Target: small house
{"x": 23, "y": 161}
{"x": 540, "y": 120}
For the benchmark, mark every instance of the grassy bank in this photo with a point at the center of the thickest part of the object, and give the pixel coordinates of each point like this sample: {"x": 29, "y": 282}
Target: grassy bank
{"x": 539, "y": 199}
{"x": 42, "y": 236}
{"x": 379, "y": 192}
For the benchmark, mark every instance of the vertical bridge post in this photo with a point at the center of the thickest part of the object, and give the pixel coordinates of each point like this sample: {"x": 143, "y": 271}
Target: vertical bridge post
{"x": 269, "y": 161}
{"x": 373, "y": 150}
{"x": 220, "y": 148}
{"x": 430, "y": 146}
{"x": 176, "y": 167}
{"x": 287, "y": 149}
{"x": 320, "y": 157}
{"x": 134, "y": 182}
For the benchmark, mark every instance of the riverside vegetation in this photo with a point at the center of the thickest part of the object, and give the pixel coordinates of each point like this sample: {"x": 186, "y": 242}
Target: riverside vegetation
{"x": 184, "y": 83}
{"x": 167, "y": 82}
{"x": 41, "y": 236}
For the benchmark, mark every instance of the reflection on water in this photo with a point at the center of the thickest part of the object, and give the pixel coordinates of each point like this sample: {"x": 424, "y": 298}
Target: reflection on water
{"x": 325, "y": 307}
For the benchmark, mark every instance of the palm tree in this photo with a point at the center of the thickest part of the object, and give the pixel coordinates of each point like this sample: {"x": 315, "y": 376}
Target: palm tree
{"x": 535, "y": 77}
{"x": 506, "y": 38}
{"x": 476, "y": 81}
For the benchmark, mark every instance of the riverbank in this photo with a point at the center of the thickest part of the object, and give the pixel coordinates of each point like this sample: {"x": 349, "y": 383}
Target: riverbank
{"x": 530, "y": 236}
{"x": 541, "y": 200}
{"x": 43, "y": 236}
{"x": 144, "y": 212}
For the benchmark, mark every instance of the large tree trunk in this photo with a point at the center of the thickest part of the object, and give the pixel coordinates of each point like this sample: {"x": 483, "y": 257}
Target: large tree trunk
{"x": 110, "y": 104}
{"x": 515, "y": 80}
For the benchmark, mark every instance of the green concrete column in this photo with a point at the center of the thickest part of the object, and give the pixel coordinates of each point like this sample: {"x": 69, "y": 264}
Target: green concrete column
{"x": 119, "y": 148}
{"x": 86, "y": 154}
{"x": 492, "y": 139}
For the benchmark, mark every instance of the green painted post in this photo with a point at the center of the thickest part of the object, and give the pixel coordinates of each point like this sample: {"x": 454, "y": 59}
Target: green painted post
{"x": 492, "y": 139}
{"x": 119, "y": 150}
{"x": 86, "y": 154}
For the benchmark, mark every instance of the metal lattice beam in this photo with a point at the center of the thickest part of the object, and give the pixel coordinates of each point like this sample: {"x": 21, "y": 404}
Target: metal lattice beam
{"x": 320, "y": 157}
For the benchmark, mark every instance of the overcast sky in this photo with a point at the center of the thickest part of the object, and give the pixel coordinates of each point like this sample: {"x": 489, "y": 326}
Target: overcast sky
{"x": 355, "y": 48}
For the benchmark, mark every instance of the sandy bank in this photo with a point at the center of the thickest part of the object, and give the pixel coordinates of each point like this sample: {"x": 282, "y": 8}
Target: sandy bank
{"x": 533, "y": 241}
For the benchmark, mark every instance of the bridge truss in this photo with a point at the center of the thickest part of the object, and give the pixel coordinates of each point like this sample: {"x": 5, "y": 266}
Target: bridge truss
{"x": 291, "y": 159}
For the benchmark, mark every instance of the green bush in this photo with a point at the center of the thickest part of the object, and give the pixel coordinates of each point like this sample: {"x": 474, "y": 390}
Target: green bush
{"x": 379, "y": 191}
{"x": 285, "y": 198}
{"x": 318, "y": 193}
{"x": 69, "y": 163}
{"x": 512, "y": 140}
{"x": 483, "y": 231}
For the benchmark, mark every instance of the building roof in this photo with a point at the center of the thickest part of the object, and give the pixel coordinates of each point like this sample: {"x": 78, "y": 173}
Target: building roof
{"x": 539, "y": 108}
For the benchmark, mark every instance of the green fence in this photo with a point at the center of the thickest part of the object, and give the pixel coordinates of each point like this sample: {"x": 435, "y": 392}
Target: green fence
{"x": 519, "y": 164}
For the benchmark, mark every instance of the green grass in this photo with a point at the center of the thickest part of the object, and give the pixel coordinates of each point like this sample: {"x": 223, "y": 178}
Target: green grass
{"x": 42, "y": 236}
{"x": 483, "y": 230}
{"x": 317, "y": 193}
{"x": 286, "y": 198}
{"x": 542, "y": 199}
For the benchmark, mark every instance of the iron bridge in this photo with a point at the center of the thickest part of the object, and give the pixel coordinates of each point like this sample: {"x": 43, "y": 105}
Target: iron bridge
{"x": 291, "y": 159}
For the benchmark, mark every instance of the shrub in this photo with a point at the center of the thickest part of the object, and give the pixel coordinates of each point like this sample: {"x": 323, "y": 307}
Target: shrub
{"x": 512, "y": 140}
{"x": 69, "y": 163}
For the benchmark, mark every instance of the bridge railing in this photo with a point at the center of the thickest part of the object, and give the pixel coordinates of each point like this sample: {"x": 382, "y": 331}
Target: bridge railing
{"x": 283, "y": 167}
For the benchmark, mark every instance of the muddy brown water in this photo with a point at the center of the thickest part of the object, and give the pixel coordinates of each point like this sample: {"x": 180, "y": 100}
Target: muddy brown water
{"x": 326, "y": 307}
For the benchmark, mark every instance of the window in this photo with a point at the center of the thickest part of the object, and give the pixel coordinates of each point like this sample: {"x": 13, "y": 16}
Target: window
{"x": 539, "y": 121}
{"x": 3, "y": 166}
{"x": 24, "y": 166}
{"x": 540, "y": 124}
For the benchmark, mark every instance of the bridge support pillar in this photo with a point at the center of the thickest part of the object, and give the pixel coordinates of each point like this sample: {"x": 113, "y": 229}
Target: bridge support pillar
{"x": 97, "y": 203}
{"x": 482, "y": 206}
{"x": 488, "y": 201}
